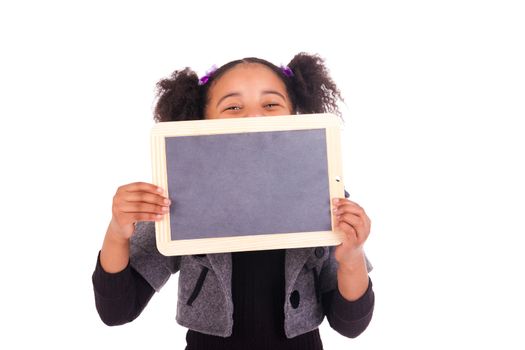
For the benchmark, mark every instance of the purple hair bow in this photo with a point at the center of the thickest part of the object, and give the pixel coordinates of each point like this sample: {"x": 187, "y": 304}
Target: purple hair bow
{"x": 287, "y": 71}
{"x": 209, "y": 73}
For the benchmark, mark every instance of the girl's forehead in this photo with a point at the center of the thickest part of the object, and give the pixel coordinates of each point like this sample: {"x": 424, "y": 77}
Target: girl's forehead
{"x": 246, "y": 75}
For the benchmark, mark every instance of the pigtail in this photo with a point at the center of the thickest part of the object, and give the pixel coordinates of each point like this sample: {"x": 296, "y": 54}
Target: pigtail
{"x": 179, "y": 97}
{"x": 313, "y": 89}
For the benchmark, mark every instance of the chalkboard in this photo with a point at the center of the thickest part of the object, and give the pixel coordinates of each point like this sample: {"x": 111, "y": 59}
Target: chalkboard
{"x": 242, "y": 184}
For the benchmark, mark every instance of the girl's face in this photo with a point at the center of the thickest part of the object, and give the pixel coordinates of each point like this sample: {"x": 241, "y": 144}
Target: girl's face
{"x": 247, "y": 90}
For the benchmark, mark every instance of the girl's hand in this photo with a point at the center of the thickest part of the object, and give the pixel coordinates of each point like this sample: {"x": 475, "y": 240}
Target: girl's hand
{"x": 134, "y": 202}
{"x": 352, "y": 220}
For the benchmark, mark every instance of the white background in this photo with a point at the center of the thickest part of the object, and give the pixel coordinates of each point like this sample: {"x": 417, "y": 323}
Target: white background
{"x": 433, "y": 152}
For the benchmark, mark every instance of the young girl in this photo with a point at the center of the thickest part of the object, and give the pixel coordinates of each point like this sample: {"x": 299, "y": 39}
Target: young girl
{"x": 273, "y": 299}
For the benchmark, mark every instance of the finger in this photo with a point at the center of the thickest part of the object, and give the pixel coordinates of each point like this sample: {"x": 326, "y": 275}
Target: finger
{"x": 339, "y": 202}
{"x": 139, "y": 207}
{"x": 344, "y": 201}
{"x": 142, "y": 186}
{"x": 135, "y": 217}
{"x": 348, "y": 201}
{"x": 361, "y": 227}
{"x": 359, "y": 211}
{"x": 146, "y": 197}
{"x": 352, "y": 220}
{"x": 349, "y": 231}
{"x": 349, "y": 208}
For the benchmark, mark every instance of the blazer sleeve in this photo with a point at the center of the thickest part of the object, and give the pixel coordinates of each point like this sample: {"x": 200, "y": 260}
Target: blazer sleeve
{"x": 145, "y": 258}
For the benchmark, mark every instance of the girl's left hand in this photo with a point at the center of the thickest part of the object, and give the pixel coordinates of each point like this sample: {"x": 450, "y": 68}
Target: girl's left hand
{"x": 352, "y": 220}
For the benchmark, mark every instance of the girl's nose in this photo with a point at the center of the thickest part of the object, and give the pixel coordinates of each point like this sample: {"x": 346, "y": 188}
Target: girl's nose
{"x": 255, "y": 112}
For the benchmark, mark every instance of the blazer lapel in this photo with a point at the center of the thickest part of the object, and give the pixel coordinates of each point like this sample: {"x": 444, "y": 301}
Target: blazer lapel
{"x": 222, "y": 266}
{"x": 294, "y": 262}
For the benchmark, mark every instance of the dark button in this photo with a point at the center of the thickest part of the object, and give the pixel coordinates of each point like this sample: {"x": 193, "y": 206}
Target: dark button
{"x": 294, "y": 299}
{"x": 347, "y": 194}
{"x": 319, "y": 252}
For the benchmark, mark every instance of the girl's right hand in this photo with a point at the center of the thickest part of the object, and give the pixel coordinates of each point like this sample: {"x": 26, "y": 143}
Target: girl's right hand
{"x": 138, "y": 201}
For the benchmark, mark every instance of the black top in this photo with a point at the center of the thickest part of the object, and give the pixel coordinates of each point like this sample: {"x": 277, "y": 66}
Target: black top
{"x": 258, "y": 313}
{"x": 258, "y": 298}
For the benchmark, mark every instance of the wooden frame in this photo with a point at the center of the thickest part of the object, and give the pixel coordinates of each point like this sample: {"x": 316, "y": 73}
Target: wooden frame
{"x": 332, "y": 125}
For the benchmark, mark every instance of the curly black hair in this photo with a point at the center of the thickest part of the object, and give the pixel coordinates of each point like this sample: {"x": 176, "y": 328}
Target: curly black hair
{"x": 310, "y": 88}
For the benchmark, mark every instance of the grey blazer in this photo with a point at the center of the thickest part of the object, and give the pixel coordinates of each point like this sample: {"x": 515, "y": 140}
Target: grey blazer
{"x": 204, "y": 289}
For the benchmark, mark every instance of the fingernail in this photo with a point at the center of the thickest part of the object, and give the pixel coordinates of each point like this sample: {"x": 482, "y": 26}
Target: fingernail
{"x": 167, "y": 201}
{"x": 335, "y": 210}
{"x": 336, "y": 200}
{"x": 159, "y": 189}
{"x": 165, "y": 209}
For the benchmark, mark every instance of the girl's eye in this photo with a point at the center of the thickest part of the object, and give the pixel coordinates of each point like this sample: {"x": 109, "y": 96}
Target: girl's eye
{"x": 232, "y": 108}
{"x": 271, "y": 105}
